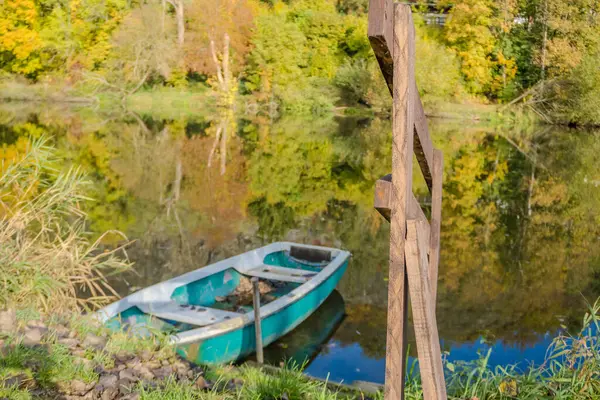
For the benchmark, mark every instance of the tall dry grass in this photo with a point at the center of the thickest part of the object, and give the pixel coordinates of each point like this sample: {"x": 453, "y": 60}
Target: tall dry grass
{"x": 47, "y": 260}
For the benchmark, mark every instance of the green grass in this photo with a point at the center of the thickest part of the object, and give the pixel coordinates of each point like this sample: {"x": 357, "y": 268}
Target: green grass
{"x": 161, "y": 102}
{"x": 490, "y": 114}
{"x": 53, "y": 365}
{"x": 571, "y": 372}
{"x": 52, "y": 368}
{"x": 172, "y": 103}
{"x": 176, "y": 391}
{"x": 14, "y": 393}
{"x": 13, "y": 89}
{"x": 287, "y": 383}
{"x": 120, "y": 341}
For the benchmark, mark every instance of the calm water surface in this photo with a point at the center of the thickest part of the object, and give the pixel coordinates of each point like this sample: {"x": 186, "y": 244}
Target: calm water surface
{"x": 520, "y": 232}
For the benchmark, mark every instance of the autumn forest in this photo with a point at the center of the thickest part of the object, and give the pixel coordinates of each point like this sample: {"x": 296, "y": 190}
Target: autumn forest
{"x": 306, "y": 56}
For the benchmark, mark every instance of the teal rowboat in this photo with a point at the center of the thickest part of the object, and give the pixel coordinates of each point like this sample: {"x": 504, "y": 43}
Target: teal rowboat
{"x": 194, "y": 307}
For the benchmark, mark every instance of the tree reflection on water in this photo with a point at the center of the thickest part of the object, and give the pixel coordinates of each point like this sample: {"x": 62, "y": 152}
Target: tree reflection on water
{"x": 520, "y": 227}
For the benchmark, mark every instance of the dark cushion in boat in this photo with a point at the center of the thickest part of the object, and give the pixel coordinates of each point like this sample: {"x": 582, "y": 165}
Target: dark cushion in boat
{"x": 310, "y": 255}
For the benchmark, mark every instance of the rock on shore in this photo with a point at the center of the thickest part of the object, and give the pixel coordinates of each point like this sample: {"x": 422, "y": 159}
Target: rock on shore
{"x": 110, "y": 373}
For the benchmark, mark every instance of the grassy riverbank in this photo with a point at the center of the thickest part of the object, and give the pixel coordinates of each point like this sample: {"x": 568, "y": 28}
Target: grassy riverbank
{"x": 71, "y": 357}
{"x": 163, "y": 102}
{"x": 175, "y": 103}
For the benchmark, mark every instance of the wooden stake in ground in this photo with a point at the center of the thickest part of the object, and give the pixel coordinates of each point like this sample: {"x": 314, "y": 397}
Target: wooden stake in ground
{"x": 257, "y": 321}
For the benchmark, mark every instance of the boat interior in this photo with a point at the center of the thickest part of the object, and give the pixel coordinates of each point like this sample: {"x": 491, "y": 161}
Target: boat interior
{"x": 226, "y": 293}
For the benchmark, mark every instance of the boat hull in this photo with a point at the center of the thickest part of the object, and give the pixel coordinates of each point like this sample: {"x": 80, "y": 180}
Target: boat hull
{"x": 236, "y": 344}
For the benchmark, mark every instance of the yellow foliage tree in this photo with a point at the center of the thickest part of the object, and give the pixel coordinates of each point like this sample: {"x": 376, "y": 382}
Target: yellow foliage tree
{"x": 20, "y": 43}
{"x": 471, "y": 31}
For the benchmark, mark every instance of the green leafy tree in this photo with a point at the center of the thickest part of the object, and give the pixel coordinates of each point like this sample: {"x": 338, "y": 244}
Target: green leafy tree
{"x": 577, "y": 97}
{"x": 469, "y": 32}
{"x": 279, "y": 54}
{"x": 77, "y": 34}
{"x": 437, "y": 69}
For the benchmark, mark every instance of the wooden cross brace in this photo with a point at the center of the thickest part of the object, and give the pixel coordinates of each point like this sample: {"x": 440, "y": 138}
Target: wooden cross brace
{"x": 414, "y": 241}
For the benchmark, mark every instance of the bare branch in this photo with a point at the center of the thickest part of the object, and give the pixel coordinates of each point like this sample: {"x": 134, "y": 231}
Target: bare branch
{"x": 216, "y": 61}
{"x": 102, "y": 80}
{"x": 139, "y": 85}
{"x": 226, "y": 73}
{"x": 214, "y": 147}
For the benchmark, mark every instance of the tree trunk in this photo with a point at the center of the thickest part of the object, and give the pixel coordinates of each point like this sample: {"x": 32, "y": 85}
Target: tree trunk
{"x": 224, "y": 147}
{"x": 226, "y": 73}
{"x": 213, "y": 53}
{"x": 222, "y": 67}
{"x": 162, "y": 17}
{"x": 544, "y": 41}
{"x": 530, "y": 191}
{"x": 180, "y": 17}
{"x": 180, "y": 23}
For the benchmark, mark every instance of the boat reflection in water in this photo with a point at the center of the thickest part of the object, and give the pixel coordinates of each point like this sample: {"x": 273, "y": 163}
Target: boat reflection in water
{"x": 305, "y": 342}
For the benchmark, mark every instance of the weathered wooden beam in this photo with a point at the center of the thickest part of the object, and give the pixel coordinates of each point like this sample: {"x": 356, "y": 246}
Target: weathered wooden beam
{"x": 423, "y": 145}
{"x": 381, "y": 33}
{"x": 436, "y": 221}
{"x": 402, "y": 148}
{"x": 423, "y": 311}
{"x": 381, "y": 36}
{"x": 383, "y": 201}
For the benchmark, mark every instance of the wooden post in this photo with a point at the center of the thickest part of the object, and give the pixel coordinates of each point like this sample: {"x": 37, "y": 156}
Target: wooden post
{"x": 381, "y": 32}
{"x": 402, "y": 145}
{"x": 424, "y": 321}
{"x": 412, "y": 238}
{"x": 257, "y": 321}
{"x": 436, "y": 221}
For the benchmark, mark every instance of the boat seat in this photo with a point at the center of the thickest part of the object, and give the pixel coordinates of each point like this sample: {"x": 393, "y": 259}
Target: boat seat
{"x": 189, "y": 314}
{"x": 275, "y": 273}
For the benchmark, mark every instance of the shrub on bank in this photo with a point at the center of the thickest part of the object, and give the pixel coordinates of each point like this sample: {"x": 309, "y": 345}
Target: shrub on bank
{"x": 577, "y": 97}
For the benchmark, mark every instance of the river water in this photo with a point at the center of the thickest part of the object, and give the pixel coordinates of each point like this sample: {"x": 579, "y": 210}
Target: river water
{"x": 520, "y": 250}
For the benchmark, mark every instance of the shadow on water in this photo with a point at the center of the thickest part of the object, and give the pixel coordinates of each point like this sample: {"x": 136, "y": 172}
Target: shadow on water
{"x": 303, "y": 344}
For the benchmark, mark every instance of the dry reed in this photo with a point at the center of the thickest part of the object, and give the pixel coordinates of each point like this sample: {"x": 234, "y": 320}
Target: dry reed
{"x": 47, "y": 260}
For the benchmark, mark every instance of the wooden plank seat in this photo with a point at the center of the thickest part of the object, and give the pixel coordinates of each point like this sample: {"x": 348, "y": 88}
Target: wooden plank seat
{"x": 189, "y": 314}
{"x": 283, "y": 274}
